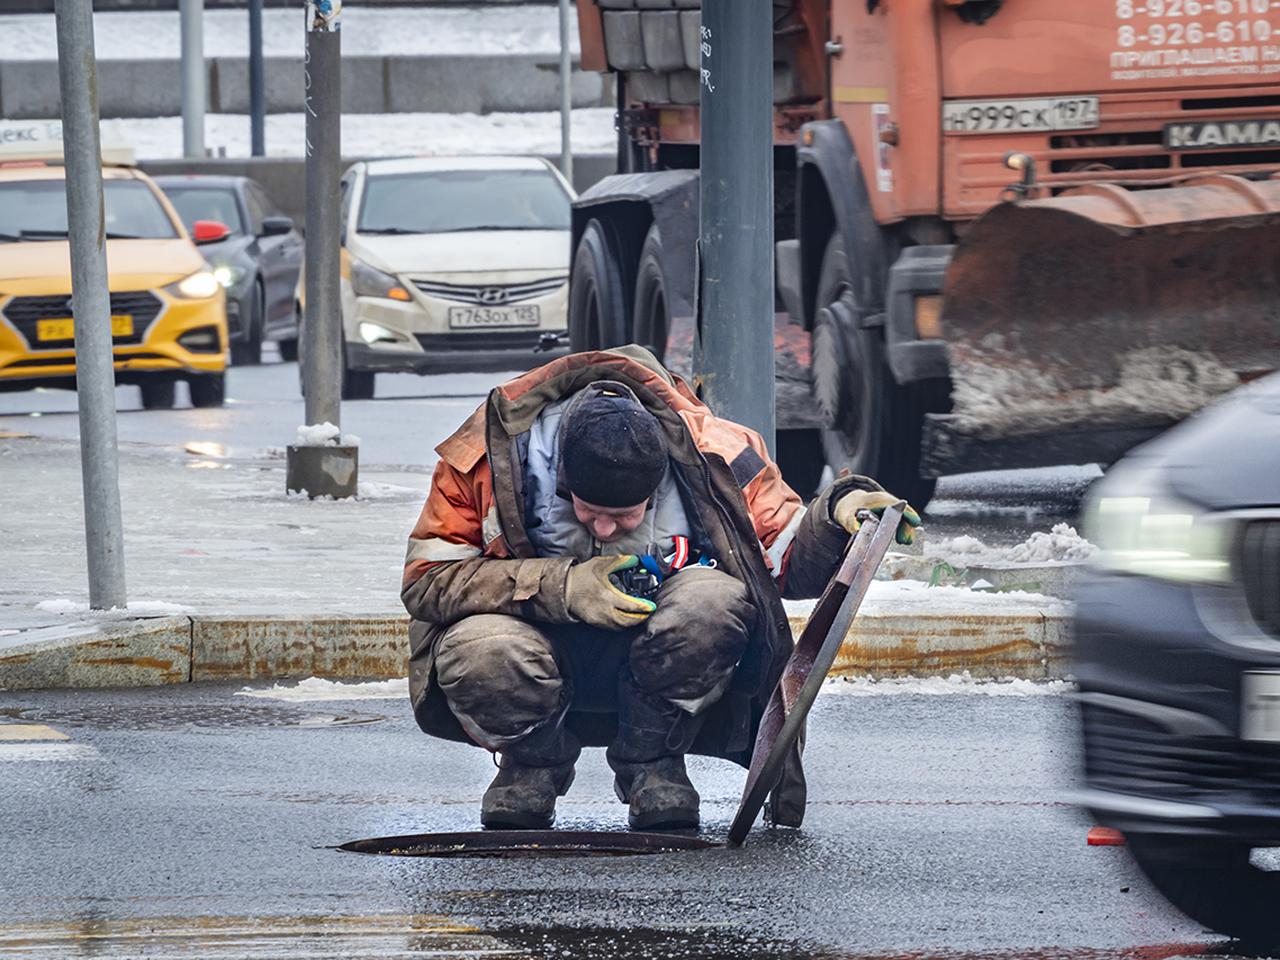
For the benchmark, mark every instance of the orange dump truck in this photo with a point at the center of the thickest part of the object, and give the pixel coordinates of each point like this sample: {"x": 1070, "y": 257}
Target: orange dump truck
{"x": 1009, "y": 232}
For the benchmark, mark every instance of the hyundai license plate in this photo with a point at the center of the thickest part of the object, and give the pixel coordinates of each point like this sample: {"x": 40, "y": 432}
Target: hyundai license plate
{"x": 63, "y": 328}
{"x": 1020, "y": 116}
{"x": 472, "y": 317}
{"x": 1260, "y": 707}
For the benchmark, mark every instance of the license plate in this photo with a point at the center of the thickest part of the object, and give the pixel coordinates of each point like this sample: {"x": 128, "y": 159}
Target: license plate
{"x": 63, "y": 328}
{"x": 462, "y": 317}
{"x": 1019, "y": 116}
{"x": 1260, "y": 707}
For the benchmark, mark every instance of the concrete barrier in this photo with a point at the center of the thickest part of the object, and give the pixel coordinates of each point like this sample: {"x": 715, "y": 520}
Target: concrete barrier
{"x": 370, "y": 84}
{"x": 1026, "y": 643}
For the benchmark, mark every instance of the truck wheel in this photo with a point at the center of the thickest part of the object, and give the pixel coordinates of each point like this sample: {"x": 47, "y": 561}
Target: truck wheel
{"x": 207, "y": 389}
{"x": 651, "y": 320}
{"x": 597, "y": 291}
{"x": 876, "y": 425}
{"x": 157, "y": 394}
{"x": 1214, "y": 883}
{"x": 800, "y": 460}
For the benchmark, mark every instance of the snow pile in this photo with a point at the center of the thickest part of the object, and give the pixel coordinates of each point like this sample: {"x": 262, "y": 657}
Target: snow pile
{"x": 389, "y": 135}
{"x": 139, "y": 608}
{"x": 956, "y": 684}
{"x": 324, "y": 435}
{"x": 374, "y": 490}
{"x": 315, "y": 688}
{"x": 1060, "y": 545}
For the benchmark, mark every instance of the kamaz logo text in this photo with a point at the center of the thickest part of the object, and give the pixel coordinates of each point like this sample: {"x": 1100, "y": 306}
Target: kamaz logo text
{"x": 1215, "y": 136}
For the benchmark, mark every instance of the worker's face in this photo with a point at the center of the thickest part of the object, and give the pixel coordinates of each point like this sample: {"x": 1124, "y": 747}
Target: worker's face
{"x": 609, "y": 523}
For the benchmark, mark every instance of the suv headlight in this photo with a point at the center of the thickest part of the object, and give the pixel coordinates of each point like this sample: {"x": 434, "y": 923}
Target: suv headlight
{"x": 1141, "y": 527}
{"x": 228, "y": 275}
{"x": 199, "y": 286}
{"x": 368, "y": 281}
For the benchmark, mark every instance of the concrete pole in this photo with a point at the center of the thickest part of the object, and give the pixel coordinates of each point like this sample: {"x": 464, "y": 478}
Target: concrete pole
{"x": 735, "y": 298}
{"x": 95, "y": 371}
{"x": 325, "y": 470}
{"x": 566, "y": 94}
{"x": 191, "y": 13}
{"x": 257, "y": 83}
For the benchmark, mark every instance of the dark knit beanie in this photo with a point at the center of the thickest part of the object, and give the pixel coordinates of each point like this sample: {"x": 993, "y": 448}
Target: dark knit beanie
{"x": 614, "y": 454}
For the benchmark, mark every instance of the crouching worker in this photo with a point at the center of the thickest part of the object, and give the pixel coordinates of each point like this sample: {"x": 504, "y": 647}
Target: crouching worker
{"x": 556, "y": 511}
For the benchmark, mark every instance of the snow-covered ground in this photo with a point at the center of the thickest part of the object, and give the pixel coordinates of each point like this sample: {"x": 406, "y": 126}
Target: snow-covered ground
{"x": 386, "y": 135}
{"x": 917, "y": 597}
{"x": 1062, "y": 544}
{"x": 474, "y": 31}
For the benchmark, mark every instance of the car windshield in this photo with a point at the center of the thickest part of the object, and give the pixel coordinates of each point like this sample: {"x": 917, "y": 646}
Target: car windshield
{"x": 37, "y": 210}
{"x": 206, "y": 203}
{"x": 447, "y": 200}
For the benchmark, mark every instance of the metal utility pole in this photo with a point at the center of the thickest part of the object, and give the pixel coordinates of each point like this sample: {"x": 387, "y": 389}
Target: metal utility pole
{"x": 91, "y": 304}
{"x": 735, "y": 295}
{"x": 257, "y": 83}
{"x": 566, "y": 94}
{"x": 323, "y": 470}
{"x": 193, "y": 92}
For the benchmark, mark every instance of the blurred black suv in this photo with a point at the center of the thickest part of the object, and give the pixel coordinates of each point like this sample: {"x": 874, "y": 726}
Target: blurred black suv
{"x": 1178, "y": 661}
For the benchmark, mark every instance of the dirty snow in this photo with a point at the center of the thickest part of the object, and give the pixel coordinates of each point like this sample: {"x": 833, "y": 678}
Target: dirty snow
{"x": 1062, "y": 544}
{"x": 316, "y": 688}
{"x": 387, "y": 135}
{"x": 366, "y": 31}
{"x": 138, "y": 608}
{"x": 957, "y": 683}
{"x": 915, "y": 596}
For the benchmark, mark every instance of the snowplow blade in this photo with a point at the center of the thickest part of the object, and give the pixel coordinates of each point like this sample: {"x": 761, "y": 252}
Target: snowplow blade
{"x": 1086, "y": 322}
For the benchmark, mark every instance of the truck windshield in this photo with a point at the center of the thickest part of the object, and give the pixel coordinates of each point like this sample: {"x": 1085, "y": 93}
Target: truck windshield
{"x": 37, "y": 210}
{"x": 206, "y": 203}
{"x": 443, "y": 201}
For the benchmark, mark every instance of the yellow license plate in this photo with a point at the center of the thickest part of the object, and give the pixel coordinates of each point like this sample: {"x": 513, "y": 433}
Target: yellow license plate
{"x": 63, "y": 328}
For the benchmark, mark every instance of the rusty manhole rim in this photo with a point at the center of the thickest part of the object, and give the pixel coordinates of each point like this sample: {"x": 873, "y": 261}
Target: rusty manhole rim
{"x": 529, "y": 844}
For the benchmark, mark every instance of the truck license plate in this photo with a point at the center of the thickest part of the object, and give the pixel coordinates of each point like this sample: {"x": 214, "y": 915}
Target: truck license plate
{"x": 63, "y": 328}
{"x": 470, "y": 317}
{"x": 1260, "y": 707}
{"x": 1020, "y": 116}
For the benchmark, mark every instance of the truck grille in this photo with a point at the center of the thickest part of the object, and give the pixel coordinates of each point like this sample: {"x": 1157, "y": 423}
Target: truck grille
{"x": 490, "y": 294}
{"x": 1129, "y": 755}
{"x": 1258, "y": 560}
{"x": 26, "y": 312}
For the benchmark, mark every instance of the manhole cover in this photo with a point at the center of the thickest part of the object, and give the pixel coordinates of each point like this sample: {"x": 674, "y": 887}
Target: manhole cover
{"x": 511, "y": 844}
{"x": 170, "y": 716}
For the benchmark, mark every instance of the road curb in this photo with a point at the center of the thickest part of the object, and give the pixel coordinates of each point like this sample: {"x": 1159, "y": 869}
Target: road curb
{"x": 1028, "y": 643}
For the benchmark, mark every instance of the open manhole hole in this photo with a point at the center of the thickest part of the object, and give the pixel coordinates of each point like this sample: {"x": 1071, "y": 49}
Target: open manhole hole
{"x": 528, "y": 844}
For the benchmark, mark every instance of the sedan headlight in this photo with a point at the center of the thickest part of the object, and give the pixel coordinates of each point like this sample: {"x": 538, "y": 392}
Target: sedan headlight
{"x": 377, "y": 333}
{"x": 199, "y": 286}
{"x": 369, "y": 281}
{"x": 1140, "y": 527}
{"x": 227, "y": 275}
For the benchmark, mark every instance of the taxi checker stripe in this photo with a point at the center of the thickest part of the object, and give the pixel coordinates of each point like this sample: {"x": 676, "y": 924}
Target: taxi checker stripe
{"x": 435, "y": 550}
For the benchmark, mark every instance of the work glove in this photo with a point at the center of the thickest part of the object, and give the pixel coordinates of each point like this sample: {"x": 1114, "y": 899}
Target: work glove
{"x": 847, "y": 508}
{"x": 593, "y": 599}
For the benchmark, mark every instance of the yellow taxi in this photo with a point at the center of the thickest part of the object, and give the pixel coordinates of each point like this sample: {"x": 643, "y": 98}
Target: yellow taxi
{"x": 168, "y": 312}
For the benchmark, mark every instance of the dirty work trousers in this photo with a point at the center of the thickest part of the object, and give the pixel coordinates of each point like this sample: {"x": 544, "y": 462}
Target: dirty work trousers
{"x": 511, "y": 682}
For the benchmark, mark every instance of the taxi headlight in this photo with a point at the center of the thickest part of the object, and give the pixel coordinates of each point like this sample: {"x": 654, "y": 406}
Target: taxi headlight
{"x": 199, "y": 286}
{"x": 369, "y": 281}
{"x": 227, "y": 275}
{"x": 1142, "y": 528}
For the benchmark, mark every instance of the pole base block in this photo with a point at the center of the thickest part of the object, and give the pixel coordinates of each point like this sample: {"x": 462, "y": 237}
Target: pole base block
{"x": 322, "y": 471}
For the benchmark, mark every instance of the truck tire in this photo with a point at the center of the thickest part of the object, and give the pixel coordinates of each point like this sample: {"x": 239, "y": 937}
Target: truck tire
{"x": 598, "y": 311}
{"x": 876, "y": 425}
{"x": 651, "y": 317}
{"x": 1213, "y": 883}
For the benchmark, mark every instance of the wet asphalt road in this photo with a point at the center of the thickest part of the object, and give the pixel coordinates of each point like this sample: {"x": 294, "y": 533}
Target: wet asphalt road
{"x": 192, "y": 822}
{"x": 411, "y": 414}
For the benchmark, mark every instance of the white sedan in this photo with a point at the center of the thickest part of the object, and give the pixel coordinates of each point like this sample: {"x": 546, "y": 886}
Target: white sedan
{"x": 457, "y": 263}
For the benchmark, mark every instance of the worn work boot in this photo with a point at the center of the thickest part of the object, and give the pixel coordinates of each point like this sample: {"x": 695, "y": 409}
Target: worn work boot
{"x": 659, "y": 792}
{"x": 524, "y": 798}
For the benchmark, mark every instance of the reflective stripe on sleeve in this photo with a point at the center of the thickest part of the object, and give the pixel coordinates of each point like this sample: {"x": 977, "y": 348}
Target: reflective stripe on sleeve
{"x": 783, "y": 542}
{"x": 435, "y": 550}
